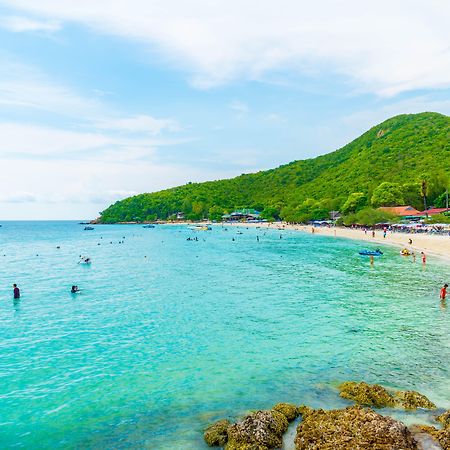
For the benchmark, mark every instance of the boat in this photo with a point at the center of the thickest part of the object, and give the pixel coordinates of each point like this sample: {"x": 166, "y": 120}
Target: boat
{"x": 88, "y": 228}
{"x": 148, "y": 226}
{"x": 201, "y": 228}
{"x": 366, "y": 252}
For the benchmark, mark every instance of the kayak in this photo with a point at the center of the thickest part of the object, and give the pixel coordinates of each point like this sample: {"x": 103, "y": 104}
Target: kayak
{"x": 371, "y": 252}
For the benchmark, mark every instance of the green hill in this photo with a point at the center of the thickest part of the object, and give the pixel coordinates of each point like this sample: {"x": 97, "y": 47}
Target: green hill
{"x": 402, "y": 151}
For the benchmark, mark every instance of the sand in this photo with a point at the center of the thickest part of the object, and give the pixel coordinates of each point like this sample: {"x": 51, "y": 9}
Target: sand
{"x": 432, "y": 245}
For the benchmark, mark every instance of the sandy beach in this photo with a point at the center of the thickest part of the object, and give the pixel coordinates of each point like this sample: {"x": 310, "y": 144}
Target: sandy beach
{"x": 431, "y": 245}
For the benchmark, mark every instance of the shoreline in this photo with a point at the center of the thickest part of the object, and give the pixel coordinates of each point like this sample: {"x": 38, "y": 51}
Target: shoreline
{"x": 436, "y": 246}
{"x": 432, "y": 245}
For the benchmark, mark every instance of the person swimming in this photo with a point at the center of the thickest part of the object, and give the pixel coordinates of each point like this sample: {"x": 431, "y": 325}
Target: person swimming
{"x": 74, "y": 290}
{"x": 16, "y": 291}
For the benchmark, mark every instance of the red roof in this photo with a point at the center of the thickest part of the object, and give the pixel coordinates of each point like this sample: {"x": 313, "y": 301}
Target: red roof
{"x": 433, "y": 211}
{"x": 401, "y": 211}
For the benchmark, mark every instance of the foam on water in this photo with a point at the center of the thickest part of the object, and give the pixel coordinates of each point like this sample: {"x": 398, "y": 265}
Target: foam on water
{"x": 169, "y": 335}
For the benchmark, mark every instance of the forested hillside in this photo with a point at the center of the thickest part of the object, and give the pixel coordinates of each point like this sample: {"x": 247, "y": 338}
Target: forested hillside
{"x": 395, "y": 162}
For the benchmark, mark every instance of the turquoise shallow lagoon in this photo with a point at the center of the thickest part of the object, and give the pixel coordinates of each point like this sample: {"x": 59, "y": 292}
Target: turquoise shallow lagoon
{"x": 169, "y": 334}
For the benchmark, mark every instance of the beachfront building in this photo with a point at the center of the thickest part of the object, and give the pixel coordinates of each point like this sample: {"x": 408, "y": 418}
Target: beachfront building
{"x": 434, "y": 211}
{"x": 242, "y": 215}
{"x": 405, "y": 212}
{"x": 180, "y": 215}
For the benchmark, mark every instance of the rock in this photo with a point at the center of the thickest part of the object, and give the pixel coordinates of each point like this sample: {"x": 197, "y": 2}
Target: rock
{"x": 262, "y": 430}
{"x": 366, "y": 394}
{"x": 288, "y": 409}
{"x": 413, "y": 400}
{"x": 442, "y": 436}
{"x": 424, "y": 440}
{"x": 216, "y": 434}
{"x": 379, "y": 397}
{"x": 352, "y": 428}
{"x": 444, "y": 419}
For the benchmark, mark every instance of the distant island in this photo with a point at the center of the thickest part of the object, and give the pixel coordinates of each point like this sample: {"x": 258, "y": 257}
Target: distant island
{"x": 403, "y": 161}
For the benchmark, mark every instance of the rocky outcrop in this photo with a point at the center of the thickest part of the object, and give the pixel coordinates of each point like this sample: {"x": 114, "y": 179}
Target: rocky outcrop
{"x": 379, "y": 397}
{"x": 366, "y": 394}
{"x": 262, "y": 430}
{"x": 441, "y": 436}
{"x": 413, "y": 400}
{"x": 444, "y": 419}
{"x": 352, "y": 428}
{"x": 216, "y": 434}
{"x": 288, "y": 409}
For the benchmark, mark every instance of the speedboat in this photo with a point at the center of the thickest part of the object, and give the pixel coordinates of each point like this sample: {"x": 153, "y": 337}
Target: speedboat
{"x": 148, "y": 226}
{"x": 88, "y": 228}
{"x": 366, "y": 252}
{"x": 201, "y": 228}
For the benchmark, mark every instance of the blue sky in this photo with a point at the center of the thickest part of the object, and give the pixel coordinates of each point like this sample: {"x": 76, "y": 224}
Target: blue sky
{"x": 101, "y": 100}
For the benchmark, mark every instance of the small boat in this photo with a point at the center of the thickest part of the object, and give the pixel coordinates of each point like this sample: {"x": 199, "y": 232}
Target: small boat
{"x": 88, "y": 228}
{"x": 405, "y": 252}
{"x": 366, "y": 252}
{"x": 148, "y": 226}
{"x": 201, "y": 228}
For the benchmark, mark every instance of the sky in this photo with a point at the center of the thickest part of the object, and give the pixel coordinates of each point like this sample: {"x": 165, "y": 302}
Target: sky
{"x": 104, "y": 99}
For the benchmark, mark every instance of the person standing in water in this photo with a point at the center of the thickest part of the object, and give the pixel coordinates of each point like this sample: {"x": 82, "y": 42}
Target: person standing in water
{"x": 424, "y": 258}
{"x": 443, "y": 294}
{"x": 16, "y": 291}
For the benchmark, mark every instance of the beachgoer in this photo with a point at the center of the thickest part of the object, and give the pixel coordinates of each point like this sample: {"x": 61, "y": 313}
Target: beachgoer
{"x": 444, "y": 292}
{"x": 74, "y": 289}
{"x": 372, "y": 259}
{"x": 413, "y": 257}
{"x": 384, "y": 234}
{"x": 410, "y": 241}
{"x": 16, "y": 291}
{"x": 373, "y": 233}
{"x": 424, "y": 257}
{"x": 365, "y": 230}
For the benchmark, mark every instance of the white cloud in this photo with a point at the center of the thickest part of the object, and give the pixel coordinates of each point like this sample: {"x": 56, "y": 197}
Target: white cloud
{"x": 139, "y": 124}
{"x": 384, "y": 47}
{"x": 18, "y": 197}
{"x": 19, "y": 24}
{"x": 24, "y": 86}
{"x": 239, "y": 106}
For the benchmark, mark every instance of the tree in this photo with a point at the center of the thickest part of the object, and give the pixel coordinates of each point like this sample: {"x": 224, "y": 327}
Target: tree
{"x": 411, "y": 195}
{"x": 354, "y": 202}
{"x": 387, "y": 194}
{"x": 369, "y": 216}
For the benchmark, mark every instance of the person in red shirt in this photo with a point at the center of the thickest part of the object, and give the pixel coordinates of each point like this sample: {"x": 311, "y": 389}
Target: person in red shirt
{"x": 444, "y": 292}
{"x": 424, "y": 257}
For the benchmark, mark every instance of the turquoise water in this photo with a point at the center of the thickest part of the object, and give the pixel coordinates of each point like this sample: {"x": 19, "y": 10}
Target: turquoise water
{"x": 168, "y": 334}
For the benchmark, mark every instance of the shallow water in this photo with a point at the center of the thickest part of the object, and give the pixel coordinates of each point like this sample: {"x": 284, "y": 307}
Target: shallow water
{"x": 168, "y": 334}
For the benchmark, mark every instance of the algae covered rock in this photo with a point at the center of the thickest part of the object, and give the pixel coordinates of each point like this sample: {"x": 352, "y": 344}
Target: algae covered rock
{"x": 366, "y": 394}
{"x": 413, "y": 400}
{"x": 444, "y": 419}
{"x": 289, "y": 410}
{"x": 262, "y": 430}
{"x": 352, "y": 428}
{"x": 442, "y": 436}
{"x": 216, "y": 434}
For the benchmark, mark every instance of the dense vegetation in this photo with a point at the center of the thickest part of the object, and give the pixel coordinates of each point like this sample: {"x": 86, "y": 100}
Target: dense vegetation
{"x": 404, "y": 160}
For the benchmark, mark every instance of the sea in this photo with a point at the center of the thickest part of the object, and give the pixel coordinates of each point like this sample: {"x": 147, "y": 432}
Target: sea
{"x": 169, "y": 334}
